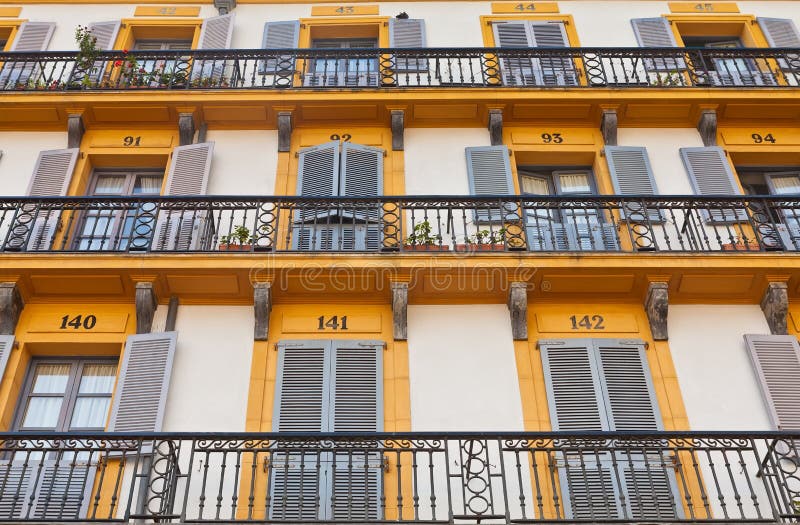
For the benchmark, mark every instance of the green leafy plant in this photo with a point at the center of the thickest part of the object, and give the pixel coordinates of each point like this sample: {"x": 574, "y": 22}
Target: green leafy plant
{"x": 422, "y": 235}
{"x": 239, "y": 235}
{"x": 488, "y": 237}
{"x": 87, "y": 48}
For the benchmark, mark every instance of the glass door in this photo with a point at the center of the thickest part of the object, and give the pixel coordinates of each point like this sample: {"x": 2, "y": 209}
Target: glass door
{"x": 347, "y": 71}
{"x": 156, "y": 72}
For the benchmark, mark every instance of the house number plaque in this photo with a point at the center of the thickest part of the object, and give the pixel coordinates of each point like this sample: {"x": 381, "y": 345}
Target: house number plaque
{"x": 586, "y": 322}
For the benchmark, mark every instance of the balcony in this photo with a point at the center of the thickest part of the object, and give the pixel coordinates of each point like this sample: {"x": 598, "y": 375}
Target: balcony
{"x": 370, "y": 69}
{"x": 404, "y": 478}
{"x": 437, "y": 225}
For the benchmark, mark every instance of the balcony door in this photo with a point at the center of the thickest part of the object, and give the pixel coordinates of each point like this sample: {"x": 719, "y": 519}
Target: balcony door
{"x": 327, "y": 386}
{"x": 782, "y": 221}
{"x": 536, "y": 69}
{"x": 726, "y": 70}
{"x": 111, "y": 228}
{"x": 350, "y": 71}
{"x": 157, "y": 71}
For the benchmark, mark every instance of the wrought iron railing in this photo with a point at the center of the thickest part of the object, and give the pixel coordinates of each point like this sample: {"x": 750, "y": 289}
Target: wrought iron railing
{"x": 408, "y": 68}
{"x": 441, "y": 224}
{"x": 405, "y": 478}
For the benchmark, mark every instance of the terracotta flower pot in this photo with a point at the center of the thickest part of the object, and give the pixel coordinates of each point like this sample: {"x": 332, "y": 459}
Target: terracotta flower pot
{"x": 228, "y": 247}
{"x": 475, "y": 247}
{"x": 741, "y": 246}
{"x": 426, "y": 248}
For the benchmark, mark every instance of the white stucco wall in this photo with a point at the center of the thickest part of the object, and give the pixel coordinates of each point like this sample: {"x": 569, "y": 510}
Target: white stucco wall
{"x": 663, "y": 145}
{"x": 20, "y": 151}
{"x": 719, "y": 386}
{"x": 244, "y": 162}
{"x": 211, "y": 375}
{"x": 435, "y": 160}
{"x": 462, "y": 369}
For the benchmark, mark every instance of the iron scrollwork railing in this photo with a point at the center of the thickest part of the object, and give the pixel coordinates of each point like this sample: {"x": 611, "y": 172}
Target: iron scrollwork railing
{"x": 405, "y": 478}
{"x": 440, "y": 224}
{"x": 404, "y": 68}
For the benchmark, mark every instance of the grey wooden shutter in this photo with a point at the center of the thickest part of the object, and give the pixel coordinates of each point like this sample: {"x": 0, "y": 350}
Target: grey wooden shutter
{"x": 362, "y": 171}
{"x": 559, "y": 71}
{"x": 356, "y": 406}
{"x": 776, "y": 359}
{"x": 302, "y": 404}
{"x": 183, "y": 230}
{"x": 489, "y": 172}
{"x": 408, "y": 33}
{"x": 106, "y": 33}
{"x": 780, "y": 32}
{"x": 318, "y": 171}
{"x": 6, "y": 347}
{"x": 653, "y": 32}
{"x": 711, "y": 175}
{"x": 280, "y": 35}
{"x": 143, "y": 383}
{"x": 30, "y": 37}
{"x": 17, "y": 490}
{"x": 512, "y": 34}
{"x": 216, "y": 32}
{"x": 63, "y": 490}
{"x": 34, "y": 227}
{"x": 632, "y": 174}
{"x": 515, "y": 71}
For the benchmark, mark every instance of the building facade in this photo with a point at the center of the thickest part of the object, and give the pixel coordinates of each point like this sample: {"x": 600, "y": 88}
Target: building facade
{"x": 438, "y": 261}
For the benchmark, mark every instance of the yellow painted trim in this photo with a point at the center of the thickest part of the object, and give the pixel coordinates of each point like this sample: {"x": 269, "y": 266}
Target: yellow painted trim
{"x": 567, "y": 20}
{"x": 10, "y": 12}
{"x": 344, "y": 10}
{"x": 703, "y": 7}
{"x": 520, "y": 8}
{"x": 9, "y": 29}
{"x": 165, "y": 10}
{"x": 133, "y": 28}
{"x": 744, "y": 27}
{"x": 344, "y": 27}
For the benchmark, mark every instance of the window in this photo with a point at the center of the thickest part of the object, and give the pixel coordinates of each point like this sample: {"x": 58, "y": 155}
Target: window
{"x": 338, "y": 170}
{"x": 605, "y": 385}
{"x": 784, "y": 221}
{"x": 566, "y": 225}
{"x": 65, "y": 395}
{"x": 535, "y": 71}
{"x": 350, "y": 71}
{"x": 327, "y": 386}
{"x": 113, "y": 229}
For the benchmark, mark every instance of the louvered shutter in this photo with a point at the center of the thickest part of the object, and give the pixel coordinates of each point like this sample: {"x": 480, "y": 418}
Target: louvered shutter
{"x": 489, "y": 172}
{"x": 711, "y": 175}
{"x": 515, "y": 71}
{"x": 143, "y": 383}
{"x": 34, "y": 226}
{"x": 776, "y": 359}
{"x": 408, "y": 33}
{"x": 656, "y": 32}
{"x": 31, "y": 37}
{"x": 318, "y": 171}
{"x": 216, "y": 32}
{"x": 63, "y": 490}
{"x": 16, "y": 491}
{"x": 576, "y": 403}
{"x": 106, "y": 35}
{"x": 302, "y": 404}
{"x": 631, "y": 174}
{"x": 553, "y": 71}
{"x": 361, "y": 176}
{"x": 280, "y": 35}
{"x": 6, "y": 347}
{"x": 356, "y": 406}
{"x": 188, "y": 177}
{"x": 780, "y": 32}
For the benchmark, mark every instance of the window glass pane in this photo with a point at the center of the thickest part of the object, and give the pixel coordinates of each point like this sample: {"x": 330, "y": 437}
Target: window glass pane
{"x": 51, "y": 379}
{"x": 98, "y": 379}
{"x": 575, "y": 183}
{"x": 147, "y": 185}
{"x": 110, "y": 184}
{"x": 90, "y": 412}
{"x": 42, "y": 412}
{"x": 786, "y": 184}
{"x": 535, "y": 185}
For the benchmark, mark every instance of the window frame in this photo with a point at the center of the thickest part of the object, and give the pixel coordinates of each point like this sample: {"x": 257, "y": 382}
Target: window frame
{"x": 70, "y": 395}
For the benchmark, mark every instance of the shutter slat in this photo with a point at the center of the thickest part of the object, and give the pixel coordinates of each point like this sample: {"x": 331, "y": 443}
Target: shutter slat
{"x": 512, "y": 34}
{"x": 489, "y": 172}
{"x": 711, "y": 174}
{"x": 776, "y": 359}
{"x": 362, "y": 171}
{"x": 15, "y": 487}
{"x": 216, "y": 32}
{"x": 143, "y": 384}
{"x": 549, "y": 34}
{"x": 780, "y": 32}
{"x": 653, "y": 32}
{"x": 281, "y": 35}
{"x": 105, "y": 33}
{"x": 51, "y": 175}
{"x": 6, "y": 347}
{"x": 189, "y": 170}
{"x": 408, "y": 33}
{"x": 63, "y": 490}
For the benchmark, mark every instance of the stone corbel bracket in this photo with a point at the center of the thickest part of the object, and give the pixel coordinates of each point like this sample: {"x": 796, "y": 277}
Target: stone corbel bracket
{"x": 284, "y": 131}
{"x": 11, "y": 305}
{"x": 262, "y": 308}
{"x": 775, "y": 305}
{"x": 608, "y": 126}
{"x": 400, "y": 310}
{"x": 398, "y": 129}
{"x": 707, "y": 126}
{"x": 146, "y": 304}
{"x": 518, "y": 310}
{"x": 75, "y": 130}
{"x": 656, "y": 307}
{"x": 186, "y": 128}
{"x": 496, "y": 127}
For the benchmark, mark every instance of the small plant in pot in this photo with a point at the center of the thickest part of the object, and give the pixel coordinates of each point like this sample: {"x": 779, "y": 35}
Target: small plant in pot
{"x": 422, "y": 238}
{"x": 741, "y": 244}
{"x": 239, "y": 240}
{"x": 484, "y": 241}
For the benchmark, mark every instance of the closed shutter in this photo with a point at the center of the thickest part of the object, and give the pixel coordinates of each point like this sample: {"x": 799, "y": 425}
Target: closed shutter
{"x": 776, "y": 359}
{"x": 362, "y": 171}
{"x": 780, "y": 32}
{"x": 63, "y": 490}
{"x": 515, "y": 71}
{"x": 356, "y": 406}
{"x": 301, "y": 405}
{"x": 711, "y": 175}
{"x": 188, "y": 176}
{"x": 631, "y": 174}
{"x": 318, "y": 171}
{"x": 489, "y": 172}
{"x": 408, "y": 33}
{"x": 16, "y": 486}
{"x": 31, "y": 37}
{"x": 143, "y": 383}
{"x": 280, "y": 35}
{"x": 34, "y": 227}
{"x": 553, "y": 71}
{"x": 6, "y": 347}
{"x": 656, "y": 32}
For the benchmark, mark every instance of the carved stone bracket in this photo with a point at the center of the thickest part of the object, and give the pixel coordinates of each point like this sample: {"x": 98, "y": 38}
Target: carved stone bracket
{"x": 518, "y": 309}
{"x": 75, "y": 130}
{"x": 285, "y": 131}
{"x": 172, "y": 314}
{"x": 400, "y": 310}
{"x": 775, "y": 305}
{"x": 707, "y": 126}
{"x": 11, "y": 305}
{"x": 608, "y": 126}
{"x": 496, "y": 127}
{"x": 398, "y": 129}
{"x": 186, "y": 128}
{"x": 262, "y": 307}
{"x": 224, "y": 6}
{"x": 656, "y": 307}
{"x": 145, "y": 307}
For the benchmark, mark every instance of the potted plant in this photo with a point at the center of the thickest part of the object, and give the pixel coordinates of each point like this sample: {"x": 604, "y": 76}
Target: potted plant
{"x": 238, "y": 240}
{"x": 741, "y": 244}
{"x": 423, "y": 239}
{"x": 484, "y": 241}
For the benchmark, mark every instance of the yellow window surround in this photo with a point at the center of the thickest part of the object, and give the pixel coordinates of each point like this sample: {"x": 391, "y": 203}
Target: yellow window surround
{"x": 345, "y": 27}
{"x": 567, "y": 20}
{"x": 8, "y": 30}
{"x": 133, "y": 29}
{"x": 743, "y": 27}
